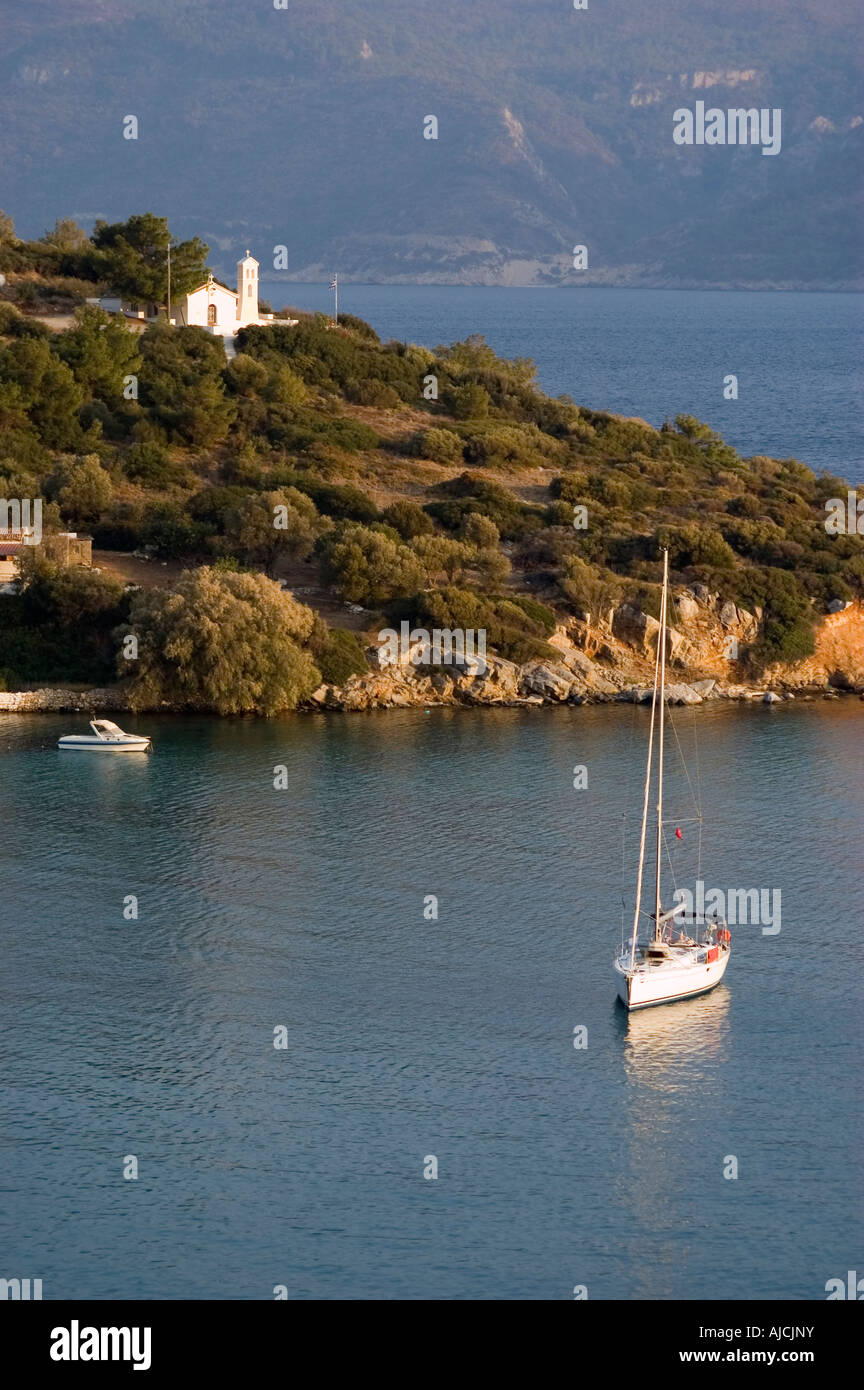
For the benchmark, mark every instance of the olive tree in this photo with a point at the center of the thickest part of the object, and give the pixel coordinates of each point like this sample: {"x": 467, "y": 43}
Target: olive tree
{"x": 264, "y": 527}
{"x": 223, "y": 642}
{"x": 368, "y": 566}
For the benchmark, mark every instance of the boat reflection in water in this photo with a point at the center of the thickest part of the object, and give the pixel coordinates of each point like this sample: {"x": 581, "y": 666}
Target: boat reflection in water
{"x": 674, "y": 1061}
{"x": 664, "y": 1048}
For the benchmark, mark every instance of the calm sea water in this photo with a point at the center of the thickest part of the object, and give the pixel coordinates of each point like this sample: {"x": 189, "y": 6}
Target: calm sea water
{"x": 406, "y": 1037}
{"x": 657, "y": 353}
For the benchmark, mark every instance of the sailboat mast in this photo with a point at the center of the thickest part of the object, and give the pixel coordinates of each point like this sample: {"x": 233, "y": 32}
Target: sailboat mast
{"x": 645, "y": 799}
{"x": 661, "y": 638}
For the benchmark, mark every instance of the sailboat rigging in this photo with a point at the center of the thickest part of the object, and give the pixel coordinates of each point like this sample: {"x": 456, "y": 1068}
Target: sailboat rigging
{"x": 666, "y": 967}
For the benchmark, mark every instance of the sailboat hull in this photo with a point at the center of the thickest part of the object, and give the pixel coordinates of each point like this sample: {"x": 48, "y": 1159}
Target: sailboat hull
{"x": 667, "y": 983}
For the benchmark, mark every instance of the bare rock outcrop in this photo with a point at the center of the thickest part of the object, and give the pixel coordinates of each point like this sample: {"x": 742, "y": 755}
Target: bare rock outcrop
{"x": 629, "y": 624}
{"x": 838, "y": 659}
{"x": 552, "y": 680}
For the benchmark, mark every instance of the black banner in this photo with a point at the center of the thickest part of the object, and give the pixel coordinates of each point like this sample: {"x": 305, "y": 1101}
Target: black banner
{"x": 63, "y": 1339}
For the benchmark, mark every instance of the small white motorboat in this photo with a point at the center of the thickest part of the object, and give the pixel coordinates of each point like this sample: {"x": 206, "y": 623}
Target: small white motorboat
{"x": 106, "y": 738}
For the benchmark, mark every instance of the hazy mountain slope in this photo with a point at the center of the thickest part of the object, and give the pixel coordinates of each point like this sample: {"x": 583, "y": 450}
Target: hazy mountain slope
{"x": 303, "y": 127}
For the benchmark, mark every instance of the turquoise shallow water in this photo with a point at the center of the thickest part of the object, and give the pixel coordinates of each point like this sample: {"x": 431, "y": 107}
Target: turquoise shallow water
{"x": 303, "y": 908}
{"x": 657, "y": 353}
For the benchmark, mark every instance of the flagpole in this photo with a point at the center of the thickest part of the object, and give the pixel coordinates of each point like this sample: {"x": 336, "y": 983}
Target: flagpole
{"x": 336, "y": 300}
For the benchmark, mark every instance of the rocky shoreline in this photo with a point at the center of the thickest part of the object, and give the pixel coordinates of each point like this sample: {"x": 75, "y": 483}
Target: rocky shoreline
{"x": 599, "y": 659}
{"x": 603, "y": 658}
{"x": 513, "y": 687}
{"x": 500, "y": 689}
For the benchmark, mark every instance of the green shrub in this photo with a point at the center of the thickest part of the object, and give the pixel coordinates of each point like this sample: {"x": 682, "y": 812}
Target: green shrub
{"x": 152, "y": 466}
{"x": 788, "y": 617}
{"x": 519, "y": 648}
{"x": 340, "y": 656}
{"x": 544, "y": 618}
{"x": 480, "y": 531}
{"x": 172, "y": 533}
{"x": 472, "y": 494}
{"x": 231, "y": 643}
{"x": 343, "y": 503}
{"x": 350, "y": 435}
{"x": 368, "y": 566}
{"x": 693, "y": 544}
{"x": 509, "y": 628}
{"x": 442, "y": 446}
{"x": 408, "y": 519}
{"x": 359, "y": 326}
{"x": 589, "y": 587}
{"x": 611, "y": 488}
{"x": 116, "y": 534}
{"x": 468, "y": 402}
{"x": 9, "y": 317}
{"x": 82, "y": 488}
{"x": 559, "y": 514}
{"x": 59, "y": 627}
{"x": 570, "y": 487}
{"x": 506, "y": 447}
{"x": 371, "y": 391}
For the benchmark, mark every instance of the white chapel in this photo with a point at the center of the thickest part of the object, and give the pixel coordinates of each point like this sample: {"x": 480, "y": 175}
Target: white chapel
{"x": 220, "y": 310}
{"x": 212, "y": 306}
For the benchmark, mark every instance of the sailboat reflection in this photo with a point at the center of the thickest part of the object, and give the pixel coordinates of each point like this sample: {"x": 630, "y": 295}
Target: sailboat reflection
{"x": 665, "y": 1049}
{"x": 672, "y": 1058}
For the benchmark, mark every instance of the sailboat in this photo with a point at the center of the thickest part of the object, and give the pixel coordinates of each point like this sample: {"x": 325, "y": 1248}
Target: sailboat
{"x": 668, "y": 965}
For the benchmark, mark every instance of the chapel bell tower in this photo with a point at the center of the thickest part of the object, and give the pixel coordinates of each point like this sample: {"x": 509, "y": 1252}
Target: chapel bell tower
{"x": 247, "y": 290}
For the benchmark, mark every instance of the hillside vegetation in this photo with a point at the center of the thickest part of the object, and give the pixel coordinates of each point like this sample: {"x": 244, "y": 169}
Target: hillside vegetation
{"x": 322, "y": 455}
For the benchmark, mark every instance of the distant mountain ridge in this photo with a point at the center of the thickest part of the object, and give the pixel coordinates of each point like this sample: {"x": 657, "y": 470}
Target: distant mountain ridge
{"x": 303, "y": 128}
